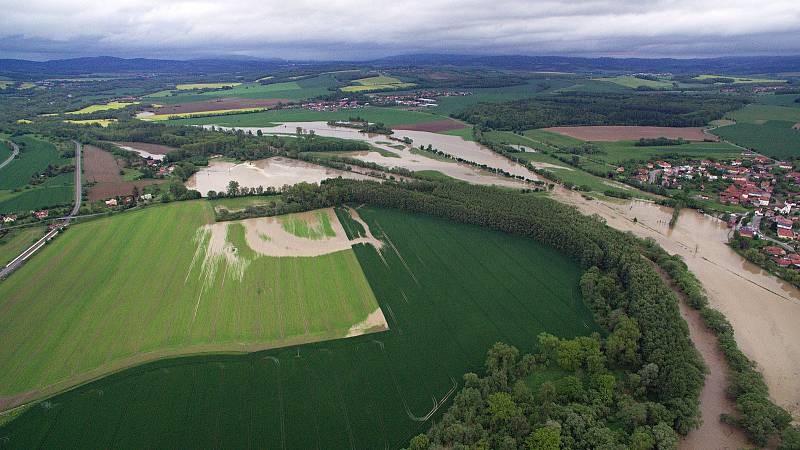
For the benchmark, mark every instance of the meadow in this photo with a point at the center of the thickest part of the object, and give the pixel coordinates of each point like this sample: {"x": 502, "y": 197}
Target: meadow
{"x": 290, "y": 90}
{"x": 104, "y": 107}
{"x": 387, "y": 116}
{"x": 774, "y": 138}
{"x": 34, "y": 157}
{"x": 739, "y": 80}
{"x": 378, "y": 83}
{"x": 451, "y": 105}
{"x": 449, "y": 292}
{"x": 102, "y": 122}
{"x": 122, "y": 290}
{"x": 622, "y": 151}
{"x": 635, "y": 82}
{"x": 191, "y": 86}
{"x": 758, "y": 114}
{"x": 17, "y": 240}
{"x": 37, "y": 198}
{"x": 218, "y": 112}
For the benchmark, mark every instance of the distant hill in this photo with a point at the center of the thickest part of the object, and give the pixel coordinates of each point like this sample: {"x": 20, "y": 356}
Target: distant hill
{"x": 17, "y": 68}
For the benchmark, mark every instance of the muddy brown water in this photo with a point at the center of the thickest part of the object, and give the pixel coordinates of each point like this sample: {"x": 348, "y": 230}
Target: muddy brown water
{"x": 273, "y": 172}
{"x": 762, "y": 309}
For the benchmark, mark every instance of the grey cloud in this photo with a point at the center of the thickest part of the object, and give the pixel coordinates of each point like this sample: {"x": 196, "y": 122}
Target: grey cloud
{"x": 351, "y": 29}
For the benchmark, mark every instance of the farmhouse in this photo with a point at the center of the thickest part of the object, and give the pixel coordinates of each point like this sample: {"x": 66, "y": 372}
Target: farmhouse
{"x": 41, "y": 214}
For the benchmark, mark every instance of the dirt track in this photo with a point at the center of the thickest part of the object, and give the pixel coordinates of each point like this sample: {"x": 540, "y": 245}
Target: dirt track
{"x": 631, "y": 133}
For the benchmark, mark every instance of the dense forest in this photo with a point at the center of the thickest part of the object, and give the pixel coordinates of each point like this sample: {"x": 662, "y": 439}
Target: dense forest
{"x": 574, "y": 108}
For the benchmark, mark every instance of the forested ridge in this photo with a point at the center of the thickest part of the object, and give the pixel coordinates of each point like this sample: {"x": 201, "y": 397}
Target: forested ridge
{"x": 575, "y": 108}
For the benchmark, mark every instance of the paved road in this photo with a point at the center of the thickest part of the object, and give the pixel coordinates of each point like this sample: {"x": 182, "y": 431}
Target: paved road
{"x": 14, "y": 153}
{"x": 19, "y": 260}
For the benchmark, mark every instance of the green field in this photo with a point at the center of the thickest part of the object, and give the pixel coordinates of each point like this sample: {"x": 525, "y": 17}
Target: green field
{"x": 379, "y": 83}
{"x": 291, "y": 90}
{"x": 635, "y": 82}
{"x": 449, "y": 292}
{"x": 17, "y": 240}
{"x": 451, "y": 105}
{"x": 304, "y": 229}
{"x": 34, "y": 157}
{"x": 104, "y": 107}
{"x": 739, "y": 80}
{"x": 37, "y": 198}
{"x": 190, "y": 86}
{"x": 152, "y": 283}
{"x": 779, "y": 100}
{"x": 774, "y": 138}
{"x": 388, "y": 116}
{"x": 761, "y": 113}
{"x": 622, "y": 151}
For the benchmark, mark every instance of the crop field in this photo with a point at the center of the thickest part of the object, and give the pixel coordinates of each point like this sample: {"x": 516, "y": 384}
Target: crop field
{"x": 102, "y": 122}
{"x": 449, "y": 292}
{"x": 139, "y": 286}
{"x": 635, "y": 82}
{"x": 16, "y": 240}
{"x": 739, "y": 80}
{"x": 104, "y": 107}
{"x": 215, "y": 112}
{"x": 619, "y": 152}
{"x": 291, "y": 90}
{"x": 376, "y": 84}
{"x": 191, "y": 86}
{"x": 759, "y": 114}
{"x": 627, "y": 133}
{"x": 37, "y": 198}
{"x": 34, "y": 157}
{"x": 779, "y": 100}
{"x": 455, "y": 104}
{"x": 778, "y": 139}
{"x": 101, "y": 170}
{"x": 388, "y": 116}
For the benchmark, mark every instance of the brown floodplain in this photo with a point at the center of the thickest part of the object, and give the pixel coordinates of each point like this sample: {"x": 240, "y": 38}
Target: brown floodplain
{"x": 632, "y": 133}
{"x": 436, "y": 126}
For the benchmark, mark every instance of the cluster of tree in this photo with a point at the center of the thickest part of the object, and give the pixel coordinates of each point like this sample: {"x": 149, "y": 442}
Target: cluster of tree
{"x": 749, "y": 249}
{"x": 759, "y": 417}
{"x": 575, "y": 108}
{"x": 619, "y": 282}
{"x": 659, "y": 142}
{"x": 363, "y": 126}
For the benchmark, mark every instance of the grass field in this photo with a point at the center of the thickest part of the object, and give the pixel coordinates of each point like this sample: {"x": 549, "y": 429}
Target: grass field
{"x": 388, "y": 116}
{"x": 150, "y": 283}
{"x": 291, "y": 90}
{"x": 451, "y": 105}
{"x": 779, "y": 100}
{"x": 739, "y": 80}
{"x": 774, "y": 138}
{"x": 378, "y": 83}
{"x": 449, "y": 292}
{"x": 754, "y": 113}
{"x": 191, "y": 86}
{"x": 218, "y": 112}
{"x": 635, "y": 82}
{"x": 621, "y": 151}
{"x": 104, "y": 107}
{"x": 17, "y": 240}
{"x": 37, "y": 198}
{"x": 102, "y": 122}
{"x": 34, "y": 157}
{"x": 304, "y": 229}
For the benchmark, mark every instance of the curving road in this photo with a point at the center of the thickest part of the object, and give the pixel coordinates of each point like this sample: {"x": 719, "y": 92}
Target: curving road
{"x": 14, "y": 153}
{"x": 19, "y": 260}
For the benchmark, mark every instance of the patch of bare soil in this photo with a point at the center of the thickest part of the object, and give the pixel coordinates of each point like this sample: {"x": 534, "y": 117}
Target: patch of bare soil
{"x": 374, "y": 322}
{"x": 435, "y": 126}
{"x": 266, "y": 236}
{"x": 100, "y": 167}
{"x": 219, "y": 104}
{"x": 156, "y": 149}
{"x": 631, "y": 133}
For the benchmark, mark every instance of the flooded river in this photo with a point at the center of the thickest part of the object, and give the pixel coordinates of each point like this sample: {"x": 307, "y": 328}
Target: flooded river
{"x": 762, "y": 309}
{"x": 273, "y": 172}
{"x": 453, "y": 145}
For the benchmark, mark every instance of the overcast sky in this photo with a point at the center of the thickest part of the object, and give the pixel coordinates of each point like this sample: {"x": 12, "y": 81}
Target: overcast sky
{"x": 358, "y": 29}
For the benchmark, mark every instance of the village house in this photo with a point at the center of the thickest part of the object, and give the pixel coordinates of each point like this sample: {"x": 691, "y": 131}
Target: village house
{"x": 41, "y": 214}
{"x": 111, "y": 202}
{"x": 9, "y": 218}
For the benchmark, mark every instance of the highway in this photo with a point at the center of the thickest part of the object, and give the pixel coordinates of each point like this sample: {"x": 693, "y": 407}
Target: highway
{"x": 19, "y": 260}
{"x": 14, "y": 153}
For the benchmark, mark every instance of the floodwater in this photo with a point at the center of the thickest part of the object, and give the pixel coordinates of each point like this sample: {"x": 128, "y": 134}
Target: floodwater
{"x": 142, "y": 153}
{"x": 272, "y": 172}
{"x": 414, "y": 162}
{"x": 762, "y": 308}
